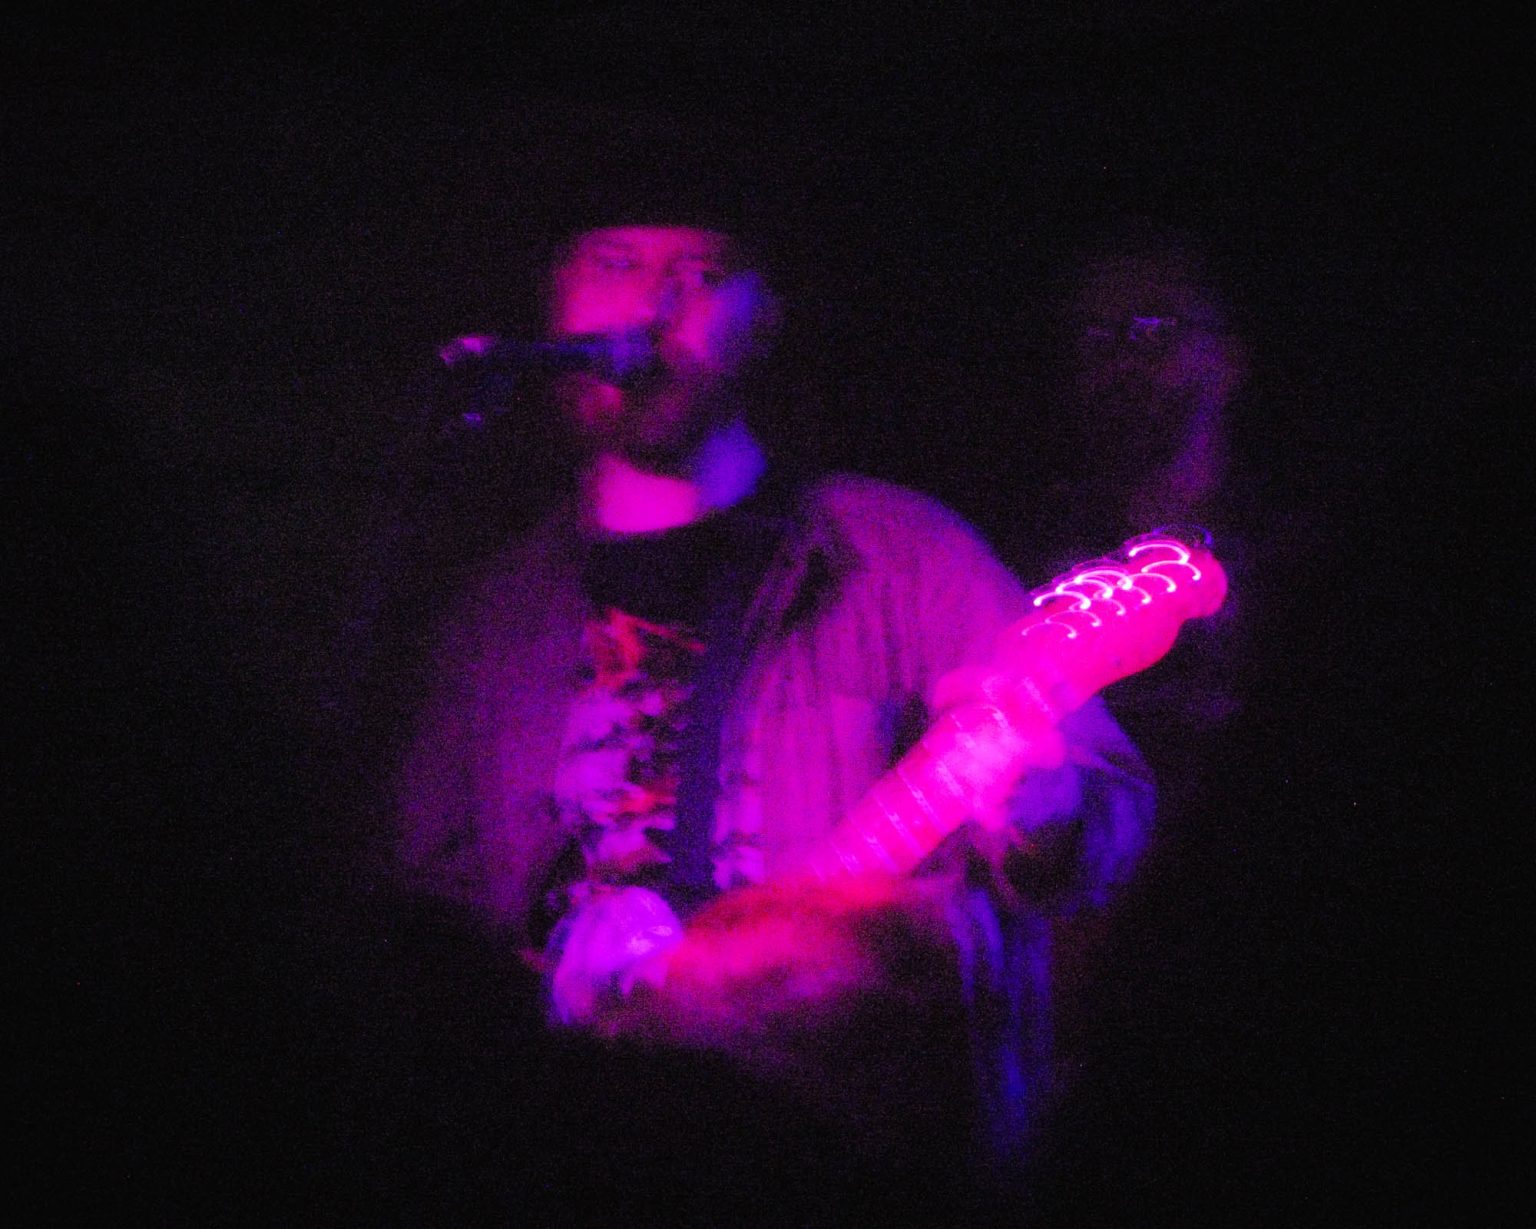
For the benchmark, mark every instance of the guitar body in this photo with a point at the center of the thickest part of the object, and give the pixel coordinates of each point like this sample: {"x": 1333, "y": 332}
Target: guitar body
{"x": 761, "y": 962}
{"x": 843, "y": 998}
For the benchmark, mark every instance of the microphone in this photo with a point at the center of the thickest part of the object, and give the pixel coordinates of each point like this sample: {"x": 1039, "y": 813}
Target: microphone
{"x": 623, "y": 359}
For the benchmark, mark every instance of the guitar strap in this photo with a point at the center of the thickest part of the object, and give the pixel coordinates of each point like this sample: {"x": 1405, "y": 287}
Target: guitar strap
{"x": 754, "y": 534}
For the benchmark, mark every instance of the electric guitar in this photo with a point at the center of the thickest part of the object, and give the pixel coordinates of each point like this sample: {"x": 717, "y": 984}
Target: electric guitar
{"x": 1094, "y": 625}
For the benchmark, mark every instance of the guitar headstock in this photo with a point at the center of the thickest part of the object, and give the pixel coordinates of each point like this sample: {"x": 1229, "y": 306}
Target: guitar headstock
{"x": 1112, "y": 616}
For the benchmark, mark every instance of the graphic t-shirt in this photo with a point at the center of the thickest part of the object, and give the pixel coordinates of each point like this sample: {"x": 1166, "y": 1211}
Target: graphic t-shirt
{"x": 621, "y": 763}
{"x": 634, "y": 728}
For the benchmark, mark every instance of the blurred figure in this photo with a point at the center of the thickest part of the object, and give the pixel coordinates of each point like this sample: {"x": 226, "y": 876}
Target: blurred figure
{"x": 1154, "y": 369}
{"x": 685, "y": 677}
{"x": 1144, "y": 366}
{"x": 1147, "y": 367}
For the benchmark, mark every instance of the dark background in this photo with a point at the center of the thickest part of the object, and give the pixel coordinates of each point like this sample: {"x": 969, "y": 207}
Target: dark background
{"x": 233, "y": 242}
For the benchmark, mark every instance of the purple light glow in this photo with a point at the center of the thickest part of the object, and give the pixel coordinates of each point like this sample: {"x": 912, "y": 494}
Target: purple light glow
{"x": 471, "y": 345}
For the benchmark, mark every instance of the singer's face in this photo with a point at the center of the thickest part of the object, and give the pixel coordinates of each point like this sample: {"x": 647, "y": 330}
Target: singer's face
{"x": 685, "y": 288}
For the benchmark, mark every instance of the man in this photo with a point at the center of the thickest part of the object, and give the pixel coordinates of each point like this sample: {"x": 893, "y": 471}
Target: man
{"x": 1150, "y": 364}
{"x": 1146, "y": 365}
{"x": 1155, "y": 369}
{"x": 681, "y": 683}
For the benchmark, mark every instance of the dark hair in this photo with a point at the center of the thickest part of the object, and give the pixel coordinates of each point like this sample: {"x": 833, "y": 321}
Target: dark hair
{"x": 1107, "y": 237}
{"x": 636, "y": 167}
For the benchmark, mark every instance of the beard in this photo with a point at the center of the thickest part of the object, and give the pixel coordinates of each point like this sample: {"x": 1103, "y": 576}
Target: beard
{"x": 1133, "y": 424}
{"x": 657, "y": 424}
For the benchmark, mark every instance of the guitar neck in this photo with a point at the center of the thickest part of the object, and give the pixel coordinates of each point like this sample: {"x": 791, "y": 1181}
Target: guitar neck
{"x": 1092, "y": 626}
{"x": 938, "y": 785}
